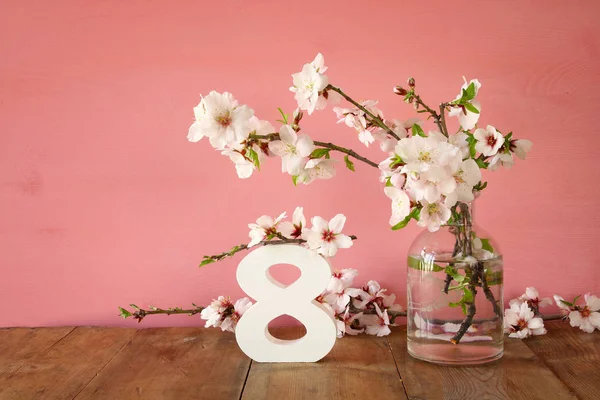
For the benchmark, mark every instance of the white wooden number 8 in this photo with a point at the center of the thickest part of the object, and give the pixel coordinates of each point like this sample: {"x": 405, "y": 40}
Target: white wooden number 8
{"x": 274, "y": 299}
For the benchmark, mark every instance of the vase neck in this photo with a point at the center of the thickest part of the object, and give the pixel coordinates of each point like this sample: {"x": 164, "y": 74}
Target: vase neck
{"x": 462, "y": 214}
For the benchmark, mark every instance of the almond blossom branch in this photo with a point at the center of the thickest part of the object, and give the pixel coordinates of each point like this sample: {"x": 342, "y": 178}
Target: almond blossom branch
{"x": 439, "y": 118}
{"x": 374, "y": 119}
{"x": 242, "y": 247}
{"x": 275, "y": 136}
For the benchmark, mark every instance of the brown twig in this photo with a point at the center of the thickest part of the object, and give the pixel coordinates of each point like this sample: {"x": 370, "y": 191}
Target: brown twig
{"x": 350, "y": 152}
{"x": 374, "y": 118}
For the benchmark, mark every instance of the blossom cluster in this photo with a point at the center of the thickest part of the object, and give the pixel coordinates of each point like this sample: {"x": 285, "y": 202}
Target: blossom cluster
{"x": 586, "y": 316}
{"x": 523, "y": 318}
{"x": 324, "y": 237}
{"x": 425, "y": 174}
{"x": 356, "y": 310}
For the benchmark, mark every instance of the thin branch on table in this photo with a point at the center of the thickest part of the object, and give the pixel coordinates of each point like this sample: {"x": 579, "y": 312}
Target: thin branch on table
{"x": 373, "y": 118}
{"x": 140, "y": 313}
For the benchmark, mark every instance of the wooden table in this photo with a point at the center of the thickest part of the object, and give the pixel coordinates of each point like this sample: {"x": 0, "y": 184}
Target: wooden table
{"x": 199, "y": 363}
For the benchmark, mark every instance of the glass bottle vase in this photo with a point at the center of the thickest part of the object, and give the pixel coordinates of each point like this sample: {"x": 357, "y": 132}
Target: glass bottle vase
{"x": 455, "y": 303}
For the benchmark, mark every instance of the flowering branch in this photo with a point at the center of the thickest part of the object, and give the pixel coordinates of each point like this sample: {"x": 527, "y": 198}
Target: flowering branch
{"x": 275, "y": 136}
{"x": 374, "y": 119}
{"x": 267, "y": 242}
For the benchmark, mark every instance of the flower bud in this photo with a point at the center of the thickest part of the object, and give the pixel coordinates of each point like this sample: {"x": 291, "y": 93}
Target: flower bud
{"x": 298, "y": 114}
{"x": 400, "y": 91}
{"x": 411, "y": 82}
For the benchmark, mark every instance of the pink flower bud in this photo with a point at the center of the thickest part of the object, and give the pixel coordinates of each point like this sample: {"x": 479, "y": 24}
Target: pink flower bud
{"x": 400, "y": 91}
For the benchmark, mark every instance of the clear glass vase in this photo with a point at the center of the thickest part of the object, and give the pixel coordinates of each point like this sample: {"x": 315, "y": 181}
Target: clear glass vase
{"x": 455, "y": 302}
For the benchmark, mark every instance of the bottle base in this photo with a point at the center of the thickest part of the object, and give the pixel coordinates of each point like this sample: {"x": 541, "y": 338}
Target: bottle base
{"x": 457, "y": 355}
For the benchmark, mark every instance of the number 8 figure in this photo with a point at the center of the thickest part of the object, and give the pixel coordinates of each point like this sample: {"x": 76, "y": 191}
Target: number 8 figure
{"x": 274, "y": 299}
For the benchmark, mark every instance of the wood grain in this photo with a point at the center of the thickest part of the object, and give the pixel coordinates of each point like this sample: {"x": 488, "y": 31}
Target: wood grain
{"x": 173, "y": 363}
{"x": 356, "y": 368}
{"x": 65, "y": 368}
{"x": 520, "y": 374}
{"x": 573, "y": 355}
{"x": 17, "y": 345}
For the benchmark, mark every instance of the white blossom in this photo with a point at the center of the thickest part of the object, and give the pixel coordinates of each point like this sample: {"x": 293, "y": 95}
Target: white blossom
{"x": 520, "y": 322}
{"x": 309, "y": 84}
{"x": 521, "y": 147}
{"x": 400, "y": 204}
{"x": 326, "y": 236}
{"x": 433, "y": 215}
{"x": 340, "y": 280}
{"x": 220, "y": 118}
{"x": 489, "y": 140}
{"x": 239, "y": 308}
{"x": 295, "y": 228}
{"x": 466, "y": 118}
{"x": 265, "y": 226}
{"x": 317, "y": 168}
{"x": 381, "y": 325}
{"x": 531, "y": 297}
{"x": 433, "y": 183}
{"x": 293, "y": 150}
{"x": 243, "y": 166}
{"x": 420, "y": 153}
{"x": 346, "y": 324}
{"x": 466, "y": 175}
{"x": 501, "y": 159}
{"x": 587, "y": 318}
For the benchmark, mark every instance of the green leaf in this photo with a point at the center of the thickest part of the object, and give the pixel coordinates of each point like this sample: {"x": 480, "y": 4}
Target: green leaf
{"x": 481, "y": 163}
{"x": 467, "y": 296}
{"x": 485, "y": 245}
{"x": 388, "y": 182}
{"x": 124, "y": 313}
{"x": 471, "y": 108}
{"x": 396, "y": 162}
{"x": 566, "y": 303}
{"x": 349, "y": 163}
{"x": 464, "y": 308}
{"x": 470, "y": 92}
{"x": 283, "y": 115}
{"x": 319, "y": 153}
{"x": 508, "y": 137}
{"x": 206, "y": 262}
{"x": 472, "y": 142}
{"x": 480, "y": 186}
{"x": 417, "y": 130}
{"x": 253, "y": 156}
{"x": 494, "y": 278}
{"x": 415, "y": 212}
{"x": 295, "y": 179}
{"x": 421, "y": 265}
{"x": 450, "y": 270}
{"x": 575, "y": 299}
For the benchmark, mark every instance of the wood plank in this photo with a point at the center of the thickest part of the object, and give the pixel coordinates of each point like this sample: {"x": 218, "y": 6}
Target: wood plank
{"x": 573, "y": 355}
{"x": 358, "y": 367}
{"x": 173, "y": 363}
{"x": 520, "y": 374}
{"x": 17, "y": 345}
{"x": 65, "y": 368}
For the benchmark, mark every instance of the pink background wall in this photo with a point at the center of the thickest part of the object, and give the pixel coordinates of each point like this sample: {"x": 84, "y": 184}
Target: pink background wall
{"x": 103, "y": 201}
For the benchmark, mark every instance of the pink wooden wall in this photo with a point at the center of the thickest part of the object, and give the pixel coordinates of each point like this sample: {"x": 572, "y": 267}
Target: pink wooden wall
{"x": 103, "y": 201}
